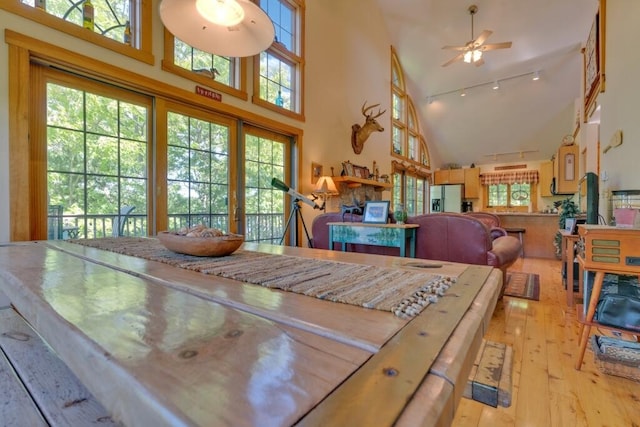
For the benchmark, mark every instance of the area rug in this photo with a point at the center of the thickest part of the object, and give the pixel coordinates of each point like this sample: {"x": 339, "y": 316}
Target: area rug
{"x": 403, "y": 292}
{"x": 523, "y": 285}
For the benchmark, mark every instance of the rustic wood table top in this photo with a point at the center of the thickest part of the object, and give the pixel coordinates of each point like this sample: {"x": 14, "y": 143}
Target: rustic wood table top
{"x": 160, "y": 345}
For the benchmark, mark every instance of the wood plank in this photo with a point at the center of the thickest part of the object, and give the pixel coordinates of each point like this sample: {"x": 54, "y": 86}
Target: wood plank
{"x": 166, "y": 352}
{"x": 61, "y": 397}
{"x": 432, "y": 406}
{"x": 17, "y": 409}
{"x": 374, "y": 395}
{"x": 456, "y": 359}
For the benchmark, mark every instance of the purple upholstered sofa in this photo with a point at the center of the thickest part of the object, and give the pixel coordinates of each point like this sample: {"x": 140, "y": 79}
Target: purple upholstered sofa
{"x": 441, "y": 236}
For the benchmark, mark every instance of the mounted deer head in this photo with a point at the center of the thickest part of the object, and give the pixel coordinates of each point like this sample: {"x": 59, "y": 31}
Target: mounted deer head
{"x": 359, "y": 134}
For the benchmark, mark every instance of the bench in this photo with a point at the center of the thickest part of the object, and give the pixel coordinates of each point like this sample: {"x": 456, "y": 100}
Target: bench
{"x": 38, "y": 389}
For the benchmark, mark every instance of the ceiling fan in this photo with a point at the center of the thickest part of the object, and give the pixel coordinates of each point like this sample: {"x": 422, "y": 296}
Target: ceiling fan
{"x": 472, "y": 51}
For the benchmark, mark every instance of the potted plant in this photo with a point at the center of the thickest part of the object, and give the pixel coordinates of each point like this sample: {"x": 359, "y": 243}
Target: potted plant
{"x": 567, "y": 208}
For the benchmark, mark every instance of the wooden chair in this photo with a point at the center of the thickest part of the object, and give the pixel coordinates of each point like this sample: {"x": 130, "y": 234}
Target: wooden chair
{"x": 120, "y": 220}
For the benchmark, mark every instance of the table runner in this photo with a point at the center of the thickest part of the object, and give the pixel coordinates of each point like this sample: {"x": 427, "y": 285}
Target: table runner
{"x": 403, "y": 292}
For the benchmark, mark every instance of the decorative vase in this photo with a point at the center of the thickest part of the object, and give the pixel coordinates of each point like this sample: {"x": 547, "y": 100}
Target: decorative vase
{"x": 400, "y": 214}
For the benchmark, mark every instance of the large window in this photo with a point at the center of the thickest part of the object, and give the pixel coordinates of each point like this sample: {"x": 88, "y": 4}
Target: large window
{"x": 278, "y": 71}
{"x": 97, "y": 149}
{"x": 266, "y": 157}
{"x": 407, "y": 145}
{"x": 97, "y": 159}
{"x": 508, "y": 195}
{"x": 197, "y": 172}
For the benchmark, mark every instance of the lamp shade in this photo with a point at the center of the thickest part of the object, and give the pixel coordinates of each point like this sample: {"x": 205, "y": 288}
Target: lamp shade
{"x": 325, "y": 185}
{"x": 250, "y": 36}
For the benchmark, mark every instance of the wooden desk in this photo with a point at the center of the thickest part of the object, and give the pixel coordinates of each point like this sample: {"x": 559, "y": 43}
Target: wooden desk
{"x": 569, "y": 252}
{"x": 604, "y": 249}
{"x": 159, "y": 345}
{"x": 390, "y": 235}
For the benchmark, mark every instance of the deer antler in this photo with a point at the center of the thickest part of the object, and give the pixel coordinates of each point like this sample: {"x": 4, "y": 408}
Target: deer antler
{"x": 364, "y": 111}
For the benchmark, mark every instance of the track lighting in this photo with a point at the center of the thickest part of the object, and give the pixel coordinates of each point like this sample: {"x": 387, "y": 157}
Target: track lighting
{"x": 495, "y": 84}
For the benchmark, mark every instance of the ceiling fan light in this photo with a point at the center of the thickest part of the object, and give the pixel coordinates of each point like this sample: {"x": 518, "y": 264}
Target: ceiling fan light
{"x": 467, "y": 57}
{"x": 221, "y": 12}
{"x": 477, "y": 54}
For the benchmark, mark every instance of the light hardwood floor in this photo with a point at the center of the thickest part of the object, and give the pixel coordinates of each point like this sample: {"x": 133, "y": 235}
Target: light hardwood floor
{"x": 547, "y": 390}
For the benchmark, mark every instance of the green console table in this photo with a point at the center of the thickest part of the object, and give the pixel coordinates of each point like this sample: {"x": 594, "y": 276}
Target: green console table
{"x": 391, "y": 235}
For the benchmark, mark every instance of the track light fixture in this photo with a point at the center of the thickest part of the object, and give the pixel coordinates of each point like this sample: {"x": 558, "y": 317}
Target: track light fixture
{"x": 495, "y": 84}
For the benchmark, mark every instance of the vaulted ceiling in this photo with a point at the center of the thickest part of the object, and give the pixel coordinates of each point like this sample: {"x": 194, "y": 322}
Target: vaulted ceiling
{"x": 523, "y": 119}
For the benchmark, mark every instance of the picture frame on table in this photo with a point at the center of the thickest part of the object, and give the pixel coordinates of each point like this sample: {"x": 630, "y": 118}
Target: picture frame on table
{"x": 570, "y": 225}
{"x": 376, "y": 212}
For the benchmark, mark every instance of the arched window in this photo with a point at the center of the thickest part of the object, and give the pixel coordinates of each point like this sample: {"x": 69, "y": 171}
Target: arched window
{"x": 408, "y": 145}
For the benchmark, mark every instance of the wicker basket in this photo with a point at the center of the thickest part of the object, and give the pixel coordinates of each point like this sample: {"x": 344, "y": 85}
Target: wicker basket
{"x": 621, "y": 362}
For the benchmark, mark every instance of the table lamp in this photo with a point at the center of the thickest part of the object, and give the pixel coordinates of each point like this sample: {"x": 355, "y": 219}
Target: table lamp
{"x": 325, "y": 188}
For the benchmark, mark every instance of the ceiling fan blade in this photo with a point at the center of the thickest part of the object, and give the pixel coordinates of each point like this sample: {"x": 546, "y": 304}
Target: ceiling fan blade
{"x": 494, "y": 46}
{"x": 482, "y": 37}
{"x": 454, "y": 59}
{"x": 479, "y": 62}
{"x": 455, "y": 47}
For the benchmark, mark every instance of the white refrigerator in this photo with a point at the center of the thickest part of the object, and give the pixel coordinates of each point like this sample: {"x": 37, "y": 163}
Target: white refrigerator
{"x": 446, "y": 198}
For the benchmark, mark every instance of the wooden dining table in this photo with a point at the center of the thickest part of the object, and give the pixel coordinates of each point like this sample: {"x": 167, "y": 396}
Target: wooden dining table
{"x": 165, "y": 346}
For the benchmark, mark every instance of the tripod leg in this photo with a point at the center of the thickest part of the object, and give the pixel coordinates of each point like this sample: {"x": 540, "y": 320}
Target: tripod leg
{"x": 305, "y": 230}
{"x": 294, "y": 210}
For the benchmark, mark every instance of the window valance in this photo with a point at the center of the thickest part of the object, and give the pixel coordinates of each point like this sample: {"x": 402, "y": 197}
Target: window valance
{"x": 510, "y": 177}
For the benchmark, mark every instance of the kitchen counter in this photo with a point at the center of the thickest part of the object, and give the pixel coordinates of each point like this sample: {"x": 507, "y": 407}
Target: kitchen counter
{"x": 540, "y": 231}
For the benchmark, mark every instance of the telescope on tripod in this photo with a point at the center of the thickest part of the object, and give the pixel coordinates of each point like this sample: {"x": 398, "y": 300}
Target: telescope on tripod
{"x": 296, "y": 198}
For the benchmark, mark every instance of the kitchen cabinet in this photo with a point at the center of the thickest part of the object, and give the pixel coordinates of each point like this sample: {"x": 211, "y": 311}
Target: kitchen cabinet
{"x": 565, "y": 169}
{"x": 546, "y": 176}
{"x": 449, "y": 176}
{"x": 471, "y": 183}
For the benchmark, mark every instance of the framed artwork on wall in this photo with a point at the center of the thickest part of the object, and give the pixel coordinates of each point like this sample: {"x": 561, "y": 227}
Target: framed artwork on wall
{"x": 594, "y": 55}
{"x": 316, "y": 172}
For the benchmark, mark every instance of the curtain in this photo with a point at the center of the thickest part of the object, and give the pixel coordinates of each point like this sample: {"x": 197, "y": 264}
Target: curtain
{"x": 509, "y": 177}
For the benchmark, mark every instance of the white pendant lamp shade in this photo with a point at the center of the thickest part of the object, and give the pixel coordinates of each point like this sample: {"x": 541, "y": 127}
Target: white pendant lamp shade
{"x": 234, "y": 28}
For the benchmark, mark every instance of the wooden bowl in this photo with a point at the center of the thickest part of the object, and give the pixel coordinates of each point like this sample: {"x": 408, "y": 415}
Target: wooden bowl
{"x": 201, "y": 246}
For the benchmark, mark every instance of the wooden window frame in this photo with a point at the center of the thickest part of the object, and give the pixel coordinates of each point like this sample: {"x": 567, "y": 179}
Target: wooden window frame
{"x": 144, "y": 53}
{"x": 168, "y": 65}
{"x": 23, "y": 50}
{"x": 296, "y": 59}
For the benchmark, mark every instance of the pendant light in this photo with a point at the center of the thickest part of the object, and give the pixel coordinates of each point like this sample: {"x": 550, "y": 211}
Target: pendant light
{"x": 235, "y": 28}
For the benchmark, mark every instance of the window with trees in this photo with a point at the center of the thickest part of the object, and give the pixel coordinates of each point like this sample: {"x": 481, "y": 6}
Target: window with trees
{"x": 197, "y": 172}
{"x": 408, "y": 145}
{"x": 409, "y": 188}
{"x": 511, "y": 189}
{"x": 118, "y": 25}
{"x": 96, "y": 158}
{"x": 94, "y": 149}
{"x": 267, "y": 156}
{"x": 278, "y": 71}
{"x": 221, "y": 73}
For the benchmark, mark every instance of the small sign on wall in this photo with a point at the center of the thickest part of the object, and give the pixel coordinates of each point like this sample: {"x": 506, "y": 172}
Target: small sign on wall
{"x": 208, "y": 93}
